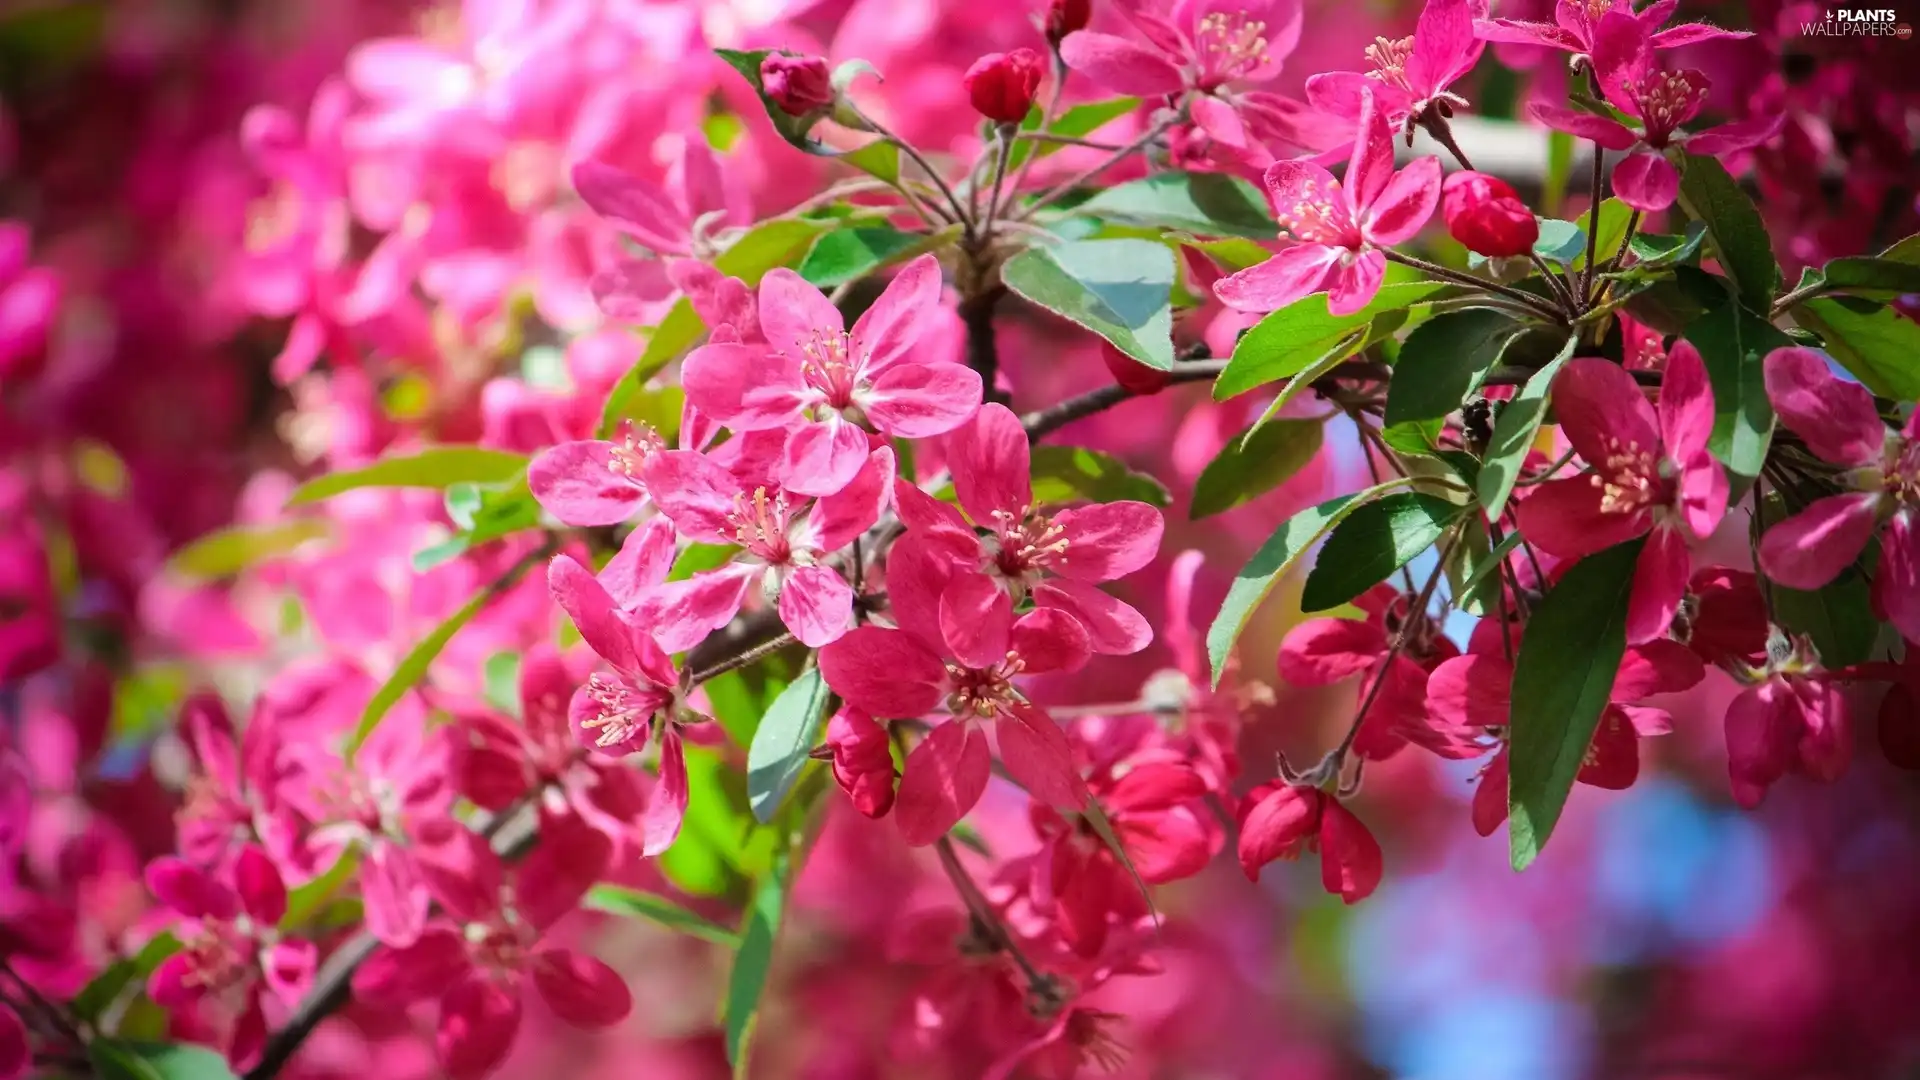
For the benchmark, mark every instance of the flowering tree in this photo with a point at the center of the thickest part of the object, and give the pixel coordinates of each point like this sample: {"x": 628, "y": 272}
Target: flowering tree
{"x": 680, "y": 498}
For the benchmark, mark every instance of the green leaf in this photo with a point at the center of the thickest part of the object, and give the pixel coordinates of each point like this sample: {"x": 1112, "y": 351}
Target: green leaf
{"x": 1303, "y": 381}
{"x": 1671, "y": 304}
{"x": 769, "y": 244}
{"x": 1560, "y": 241}
{"x": 1419, "y": 437}
{"x": 1733, "y": 342}
{"x": 1734, "y": 228}
{"x": 114, "y": 1059}
{"x": 306, "y": 901}
{"x": 1662, "y": 249}
{"x": 226, "y": 552}
{"x": 1269, "y": 564}
{"x": 1288, "y": 340}
{"x": 1878, "y": 345}
{"x": 634, "y": 904}
{"x": 1206, "y": 204}
{"x": 481, "y": 514}
{"x": 851, "y": 254}
{"x": 1475, "y": 577}
{"x": 1371, "y": 543}
{"x": 1513, "y": 435}
{"x": 1072, "y": 473}
{"x": 436, "y": 467}
{"x": 500, "y": 678}
{"x": 412, "y": 668}
{"x": 1253, "y": 464}
{"x": 1559, "y": 170}
{"x": 754, "y": 960}
{"x": 1443, "y": 361}
{"x": 697, "y": 558}
{"x": 786, "y": 735}
{"x": 100, "y": 993}
{"x": 1077, "y": 122}
{"x": 1562, "y": 681}
{"x": 1837, "y": 617}
{"x": 879, "y": 159}
{"x": 1875, "y": 276}
{"x": 794, "y": 129}
{"x": 1120, "y": 289}
{"x": 1612, "y": 229}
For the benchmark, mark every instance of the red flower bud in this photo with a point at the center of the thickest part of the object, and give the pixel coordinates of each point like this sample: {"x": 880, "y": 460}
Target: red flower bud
{"x": 1133, "y": 376}
{"x": 1485, "y": 214}
{"x": 1002, "y": 85}
{"x": 1066, "y": 16}
{"x": 862, "y": 761}
{"x": 798, "y": 84}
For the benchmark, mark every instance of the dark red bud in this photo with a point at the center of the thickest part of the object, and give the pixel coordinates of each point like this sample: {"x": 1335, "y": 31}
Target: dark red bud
{"x": 1066, "y": 16}
{"x": 1133, "y": 376}
{"x": 1486, "y": 214}
{"x": 797, "y": 84}
{"x": 1002, "y": 85}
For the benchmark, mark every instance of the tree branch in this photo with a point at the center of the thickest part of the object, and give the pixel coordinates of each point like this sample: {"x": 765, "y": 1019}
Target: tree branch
{"x": 1043, "y": 422}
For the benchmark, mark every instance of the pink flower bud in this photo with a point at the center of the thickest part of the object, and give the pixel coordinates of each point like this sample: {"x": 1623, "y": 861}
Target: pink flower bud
{"x": 862, "y": 761}
{"x": 1485, "y": 214}
{"x": 1066, "y": 16}
{"x": 798, "y": 84}
{"x": 1002, "y": 85}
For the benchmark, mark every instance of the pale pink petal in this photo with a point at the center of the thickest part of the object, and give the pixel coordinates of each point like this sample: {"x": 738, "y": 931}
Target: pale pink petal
{"x": 886, "y": 331}
{"x": 1564, "y": 518}
{"x": 1646, "y": 181}
{"x": 1038, "y": 757}
{"x": 745, "y": 387}
{"x": 631, "y": 290}
{"x": 976, "y": 617}
{"x": 696, "y": 494}
{"x": 823, "y": 458}
{"x": 1834, "y": 416}
{"x": 918, "y": 401}
{"x": 1353, "y": 284}
{"x": 1659, "y": 582}
{"x": 639, "y": 207}
{"x": 581, "y": 989}
{"x": 1219, "y": 120}
{"x": 1521, "y": 32}
{"x": 1609, "y": 134}
{"x": 1739, "y": 135}
{"x": 837, "y": 519}
{"x": 1444, "y": 46}
{"x": 1291, "y": 184}
{"x": 643, "y": 561}
{"x": 1599, "y": 406}
{"x": 577, "y": 483}
{"x": 592, "y": 610}
{"x": 1896, "y": 587}
{"x": 479, "y": 1020}
{"x": 795, "y": 316}
{"x": 681, "y": 614}
{"x": 1122, "y": 66}
{"x": 395, "y": 895}
{"x": 1273, "y": 284}
{"x": 991, "y": 465}
{"x": 944, "y": 777}
{"x": 1106, "y": 541}
{"x": 816, "y": 603}
{"x": 1402, "y": 208}
{"x": 1048, "y": 639}
{"x": 1693, "y": 34}
{"x": 1113, "y": 627}
{"x": 888, "y": 673}
{"x": 1811, "y": 548}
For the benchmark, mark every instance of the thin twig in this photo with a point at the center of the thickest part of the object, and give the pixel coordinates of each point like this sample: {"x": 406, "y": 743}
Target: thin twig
{"x": 1039, "y": 982}
{"x": 1053, "y": 193}
{"x": 1538, "y": 303}
{"x": 742, "y": 659}
{"x": 1416, "y": 615}
{"x": 907, "y": 148}
{"x": 1593, "y": 222}
{"x": 1043, "y": 422}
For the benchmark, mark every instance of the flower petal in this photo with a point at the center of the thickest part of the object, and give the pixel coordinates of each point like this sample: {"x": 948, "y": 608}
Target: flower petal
{"x": 1106, "y": 541}
{"x": 1048, "y": 639}
{"x": 1352, "y": 285}
{"x": 1113, "y": 627}
{"x": 1896, "y": 587}
{"x": 681, "y": 614}
{"x": 1834, "y": 416}
{"x": 1564, "y": 517}
{"x": 745, "y": 387}
{"x": 945, "y": 776}
{"x": 1038, "y": 757}
{"x": 696, "y": 495}
{"x": 1350, "y": 859}
{"x": 886, "y": 331}
{"x": 1609, "y": 134}
{"x": 1812, "y": 547}
{"x": 1600, "y": 407}
{"x": 1646, "y": 181}
{"x": 479, "y": 1020}
{"x": 1122, "y": 66}
{"x": 1321, "y": 652}
{"x": 1659, "y": 583}
{"x": 1737, "y": 136}
{"x": 1273, "y": 284}
{"x": 1686, "y": 403}
{"x": 638, "y": 207}
{"x": 592, "y": 610}
{"x": 816, "y": 603}
{"x": 575, "y": 482}
{"x": 918, "y": 401}
{"x": 1404, "y": 204}
{"x": 888, "y": 673}
{"x": 796, "y": 316}
{"x": 822, "y": 458}
{"x": 644, "y": 560}
{"x": 190, "y": 890}
{"x": 580, "y": 989}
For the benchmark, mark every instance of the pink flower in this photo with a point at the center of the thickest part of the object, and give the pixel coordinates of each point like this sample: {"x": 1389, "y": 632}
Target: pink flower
{"x": 819, "y": 383}
{"x": 1340, "y": 227}
{"x": 1471, "y": 694}
{"x": 1279, "y": 821}
{"x": 1322, "y": 652}
{"x": 619, "y": 713}
{"x": 674, "y": 221}
{"x": 1662, "y": 101}
{"x": 862, "y": 760}
{"x": 1646, "y": 473}
{"x": 592, "y": 481}
{"x": 1486, "y": 215}
{"x": 1575, "y": 21}
{"x": 29, "y": 305}
{"x": 1791, "y": 717}
{"x": 234, "y": 796}
{"x": 1410, "y": 74}
{"x": 783, "y": 540}
{"x": 1839, "y": 423}
{"x": 1055, "y": 558}
{"x": 960, "y": 646}
{"x": 497, "y": 762}
{"x": 478, "y": 967}
{"x": 230, "y": 950}
{"x": 1196, "y": 46}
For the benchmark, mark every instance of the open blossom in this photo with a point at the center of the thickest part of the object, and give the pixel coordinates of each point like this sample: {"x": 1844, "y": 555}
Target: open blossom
{"x": 820, "y": 383}
{"x": 1472, "y": 695}
{"x": 1279, "y": 820}
{"x": 1839, "y": 423}
{"x": 1412, "y": 74}
{"x": 590, "y": 482}
{"x": 1054, "y": 558}
{"x": 1661, "y": 101}
{"x": 1791, "y": 717}
{"x": 959, "y": 646}
{"x": 620, "y": 712}
{"x": 230, "y": 954}
{"x": 783, "y": 538}
{"x": 1575, "y": 22}
{"x": 234, "y": 797}
{"x": 477, "y": 961}
{"x": 674, "y": 221}
{"x": 1341, "y": 226}
{"x": 1646, "y": 474}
